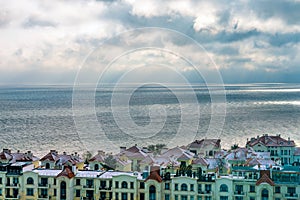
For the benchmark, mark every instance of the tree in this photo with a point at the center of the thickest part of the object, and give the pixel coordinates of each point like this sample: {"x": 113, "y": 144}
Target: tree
{"x": 156, "y": 149}
{"x": 87, "y": 156}
{"x": 235, "y": 146}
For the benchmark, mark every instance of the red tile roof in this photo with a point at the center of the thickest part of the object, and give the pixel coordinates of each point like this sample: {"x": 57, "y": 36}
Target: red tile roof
{"x": 51, "y": 156}
{"x": 270, "y": 141}
{"x": 265, "y": 178}
{"x": 67, "y": 172}
{"x": 154, "y": 175}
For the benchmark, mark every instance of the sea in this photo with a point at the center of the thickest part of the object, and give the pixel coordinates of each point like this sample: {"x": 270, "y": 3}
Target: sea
{"x": 46, "y": 117}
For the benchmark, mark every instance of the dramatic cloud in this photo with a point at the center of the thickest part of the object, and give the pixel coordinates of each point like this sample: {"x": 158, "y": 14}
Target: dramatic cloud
{"x": 250, "y": 41}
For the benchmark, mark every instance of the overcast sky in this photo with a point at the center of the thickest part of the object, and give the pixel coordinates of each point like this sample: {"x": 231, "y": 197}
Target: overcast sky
{"x": 250, "y": 41}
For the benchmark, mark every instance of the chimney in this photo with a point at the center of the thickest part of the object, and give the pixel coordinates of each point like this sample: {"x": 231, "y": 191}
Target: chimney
{"x": 18, "y": 151}
{"x": 52, "y": 151}
{"x": 64, "y": 153}
{"x": 100, "y": 152}
{"x": 74, "y": 169}
{"x": 122, "y": 149}
{"x": 29, "y": 153}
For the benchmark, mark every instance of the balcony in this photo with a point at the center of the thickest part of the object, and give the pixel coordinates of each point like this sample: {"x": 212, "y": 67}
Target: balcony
{"x": 104, "y": 188}
{"x": 12, "y": 197}
{"x": 88, "y": 186}
{"x": 205, "y": 193}
{"x": 239, "y": 193}
{"x": 43, "y": 185}
{"x": 87, "y": 198}
{"x": 43, "y": 196}
{"x": 12, "y": 185}
{"x": 291, "y": 195}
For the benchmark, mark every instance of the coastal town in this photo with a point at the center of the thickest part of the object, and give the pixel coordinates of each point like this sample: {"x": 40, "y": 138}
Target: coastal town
{"x": 266, "y": 168}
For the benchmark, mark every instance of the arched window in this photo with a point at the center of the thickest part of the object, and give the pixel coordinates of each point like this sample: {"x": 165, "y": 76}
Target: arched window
{"x": 96, "y": 167}
{"x": 63, "y": 190}
{"x": 124, "y": 184}
{"x": 152, "y": 192}
{"x": 264, "y": 194}
{"x": 47, "y": 166}
{"x": 30, "y": 181}
{"x": 223, "y": 188}
{"x": 183, "y": 187}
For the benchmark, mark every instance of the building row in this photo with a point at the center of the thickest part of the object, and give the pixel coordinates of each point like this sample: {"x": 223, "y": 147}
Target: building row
{"x": 266, "y": 168}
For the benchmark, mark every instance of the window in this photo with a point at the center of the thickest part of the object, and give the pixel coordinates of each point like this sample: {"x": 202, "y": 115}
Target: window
{"x": 90, "y": 183}
{"x": 0, "y": 180}
{"x": 167, "y": 197}
{"x": 239, "y": 189}
{"x": 131, "y": 185}
{"x": 207, "y": 198}
{"x": 15, "y": 180}
{"x": 77, "y": 193}
{"x": 47, "y": 165}
{"x": 102, "y": 184}
{"x": 167, "y": 186}
{"x": 77, "y": 181}
{"x": 131, "y": 196}
{"x": 29, "y": 192}
{"x": 44, "y": 181}
{"x": 142, "y": 185}
{"x": 238, "y": 198}
{"x": 44, "y": 192}
{"x": 54, "y": 182}
{"x": 29, "y": 181}
{"x": 291, "y": 190}
{"x": 176, "y": 197}
{"x": 96, "y": 167}
{"x": 223, "y": 197}
{"x": 176, "y": 186}
{"x": 191, "y": 197}
{"x": 54, "y": 192}
{"x": 192, "y": 187}
{"x": 0, "y": 191}
{"x": 183, "y": 197}
{"x": 277, "y": 189}
{"x": 252, "y": 198}
{"x": 252, "y": 188}
{"x": 223, "y": 188}
{"x": 207, "y": 188}
{"x": 117, "y": 195}
{"x": 199, "y": 188}
{"x": 142, "y": 196}
{"x": 184, "y": 187}
{"x": 124, "y": 184}
{"x": 124, "y": 196}
{"x": 117, "y": 184}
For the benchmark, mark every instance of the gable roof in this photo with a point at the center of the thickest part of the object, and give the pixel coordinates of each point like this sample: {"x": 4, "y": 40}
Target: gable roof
{"x": 271, "y": 141}
{"x": 97, "y": 158}
{"x": 265, "y": 178}
{"x": 200, "y": 161}
{"x": 67, "y": 172}
{"x": 133, "y": 153}
{"x": 154, "y": 175}
{"x": 51, "y": 156}
{"x": 205, "y": 142}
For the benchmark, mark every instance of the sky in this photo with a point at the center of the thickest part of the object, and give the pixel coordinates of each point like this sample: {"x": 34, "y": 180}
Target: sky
{"x": 46, "y": 42}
